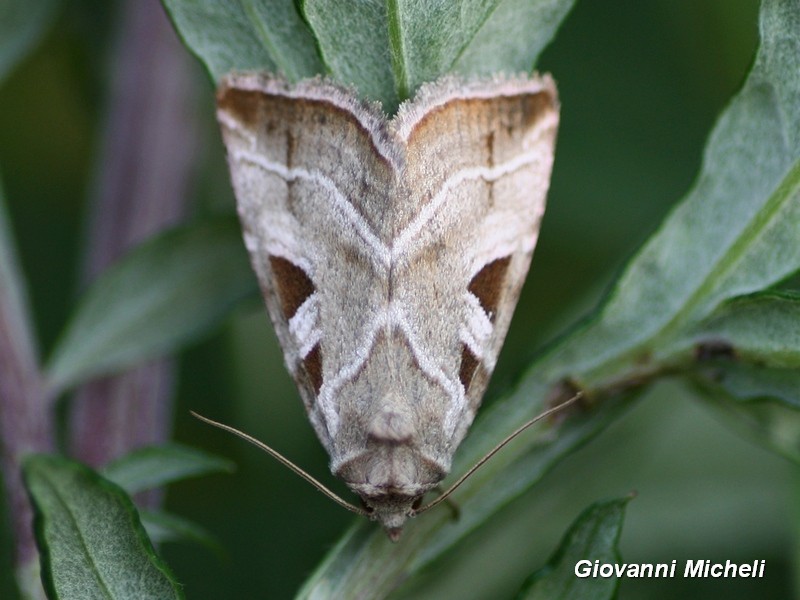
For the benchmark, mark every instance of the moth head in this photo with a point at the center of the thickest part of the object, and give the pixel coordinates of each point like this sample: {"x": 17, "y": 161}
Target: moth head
{"x": 391, "y": 510}
{"x": 391, "y": 479}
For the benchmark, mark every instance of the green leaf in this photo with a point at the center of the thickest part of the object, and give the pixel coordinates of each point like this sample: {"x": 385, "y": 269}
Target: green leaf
{"x": 748, "y": 354}
{"x": 90, "y": 539}
{"x": 762, "y": 329}
{"x": 15, "y": 319}
{"x": 22, "y": 24}
{"x": 513, "y": 36}
{"x": 386, "y": 49}
{"x": 427, "y": 37}
{"x": 156, "y": 466}
{"x": 165, "y": 527}
{"x": 735, "y": 233}
{"x": 168, "y": 291}
{"x": 240, "y": 35}
{"x": 745, "y": 383}
{"x": 354, "y": 42}
{"x": 761, "y": 402}
{"x": 592, "y": 537}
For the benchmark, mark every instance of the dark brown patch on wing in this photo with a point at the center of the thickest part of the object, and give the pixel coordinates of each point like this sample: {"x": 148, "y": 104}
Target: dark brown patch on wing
{"x": 312, "y": 363}
{"x": 294, "y": 286}
{"x": 469, "y": 362}
{"x": 487, "y": 284}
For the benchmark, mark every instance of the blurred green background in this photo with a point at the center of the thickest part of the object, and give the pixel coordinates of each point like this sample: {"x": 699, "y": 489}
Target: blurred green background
{"x": 641, "y": 84}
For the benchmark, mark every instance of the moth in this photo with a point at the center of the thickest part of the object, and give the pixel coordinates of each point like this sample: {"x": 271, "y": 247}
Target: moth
{"x": 391, "y": 253}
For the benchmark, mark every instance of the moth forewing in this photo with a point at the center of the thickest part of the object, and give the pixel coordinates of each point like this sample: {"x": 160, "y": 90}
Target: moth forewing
{"x": 391, "y": 254}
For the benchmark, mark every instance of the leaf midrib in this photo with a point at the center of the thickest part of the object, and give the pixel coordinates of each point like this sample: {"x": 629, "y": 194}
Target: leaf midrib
{"x": 478, "y": 29}
{"x": 786, "y": 190}
{"x": 79, "y": 534}
{"x": 263, "y": 35}
{"x": 398, "y": 47}
{"x": 397, "y": 50}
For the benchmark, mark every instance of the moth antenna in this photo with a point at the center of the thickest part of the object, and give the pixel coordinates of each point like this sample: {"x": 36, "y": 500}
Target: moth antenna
{"x": 495, "y": 450}
{"x": 286, "y": 463}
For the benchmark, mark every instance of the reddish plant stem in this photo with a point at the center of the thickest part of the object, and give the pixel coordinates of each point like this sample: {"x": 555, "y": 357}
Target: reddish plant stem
{"x": 25, "y": 420}
{"x": 142, "y": 179}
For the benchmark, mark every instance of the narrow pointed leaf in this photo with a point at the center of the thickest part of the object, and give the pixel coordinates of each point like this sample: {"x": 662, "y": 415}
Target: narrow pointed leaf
{"x": 748, "y": 364}
{"x": 428, "y": 37}
{"x": 239, "y": 35}
{"x": 745, "y": 383}
{"x": 156, "y": 466}
{"x": 512, "y": 37}
{"x": 762, "y": 329}
{"x": 22, "y": 24}
{"x": 91, "y": 541}
{"x": 761, "y": 402}
{"x": 165, "y": 527}
{"x": 168, "y": 291}
{"x": 355, "y": 45}
{"x": 592, "y": 537}
{"x": 15, "y": 321}
{"x": 386, "y": 49}
{"x": 735, "y": 233}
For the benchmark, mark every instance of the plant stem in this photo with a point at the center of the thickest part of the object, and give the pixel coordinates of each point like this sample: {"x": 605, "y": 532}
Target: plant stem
{"x": 142, "y": 178}
{"x": 25, "y": 423}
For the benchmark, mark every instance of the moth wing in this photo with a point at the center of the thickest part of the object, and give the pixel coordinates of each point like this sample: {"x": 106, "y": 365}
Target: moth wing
{"x": 481, "y": 155}
{"x": 306, "y": 203}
